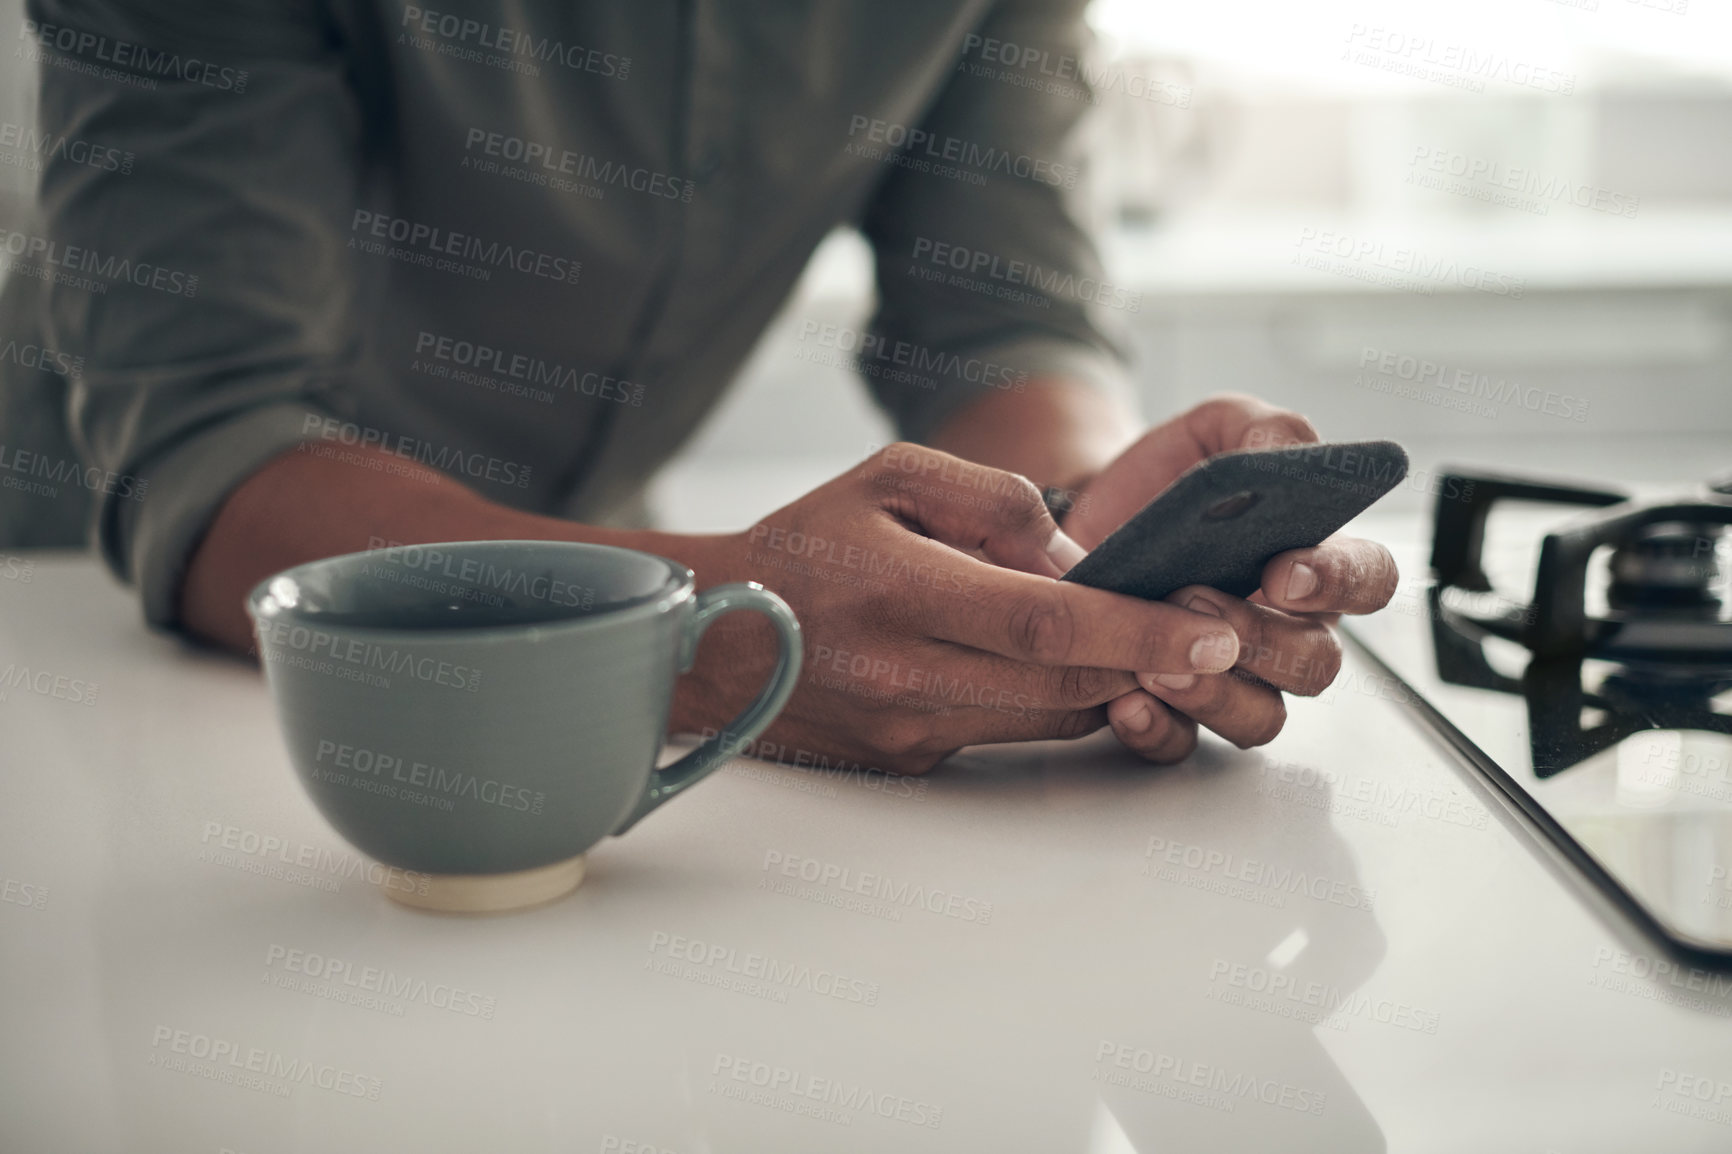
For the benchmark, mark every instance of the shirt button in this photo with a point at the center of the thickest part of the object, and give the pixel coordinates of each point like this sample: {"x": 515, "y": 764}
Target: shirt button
{"x": 708, "y": 164}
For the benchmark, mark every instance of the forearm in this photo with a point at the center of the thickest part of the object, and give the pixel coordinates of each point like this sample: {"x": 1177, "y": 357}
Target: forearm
{"x": 1054, "y": 432}
{"x": 303, "y": 506}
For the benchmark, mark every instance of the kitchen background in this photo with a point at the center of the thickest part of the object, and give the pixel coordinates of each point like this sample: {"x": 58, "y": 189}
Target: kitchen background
{"x": 1233, "y": 138}
{"x": 1315, "y": 202}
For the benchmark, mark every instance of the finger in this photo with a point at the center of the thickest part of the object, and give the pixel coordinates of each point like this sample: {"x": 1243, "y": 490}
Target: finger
{"x": 1243, "y": 713}
{"x": 1069, "y": 687}
{"x": 989, "y": 726}
{"x": 1296, "y": 653}
{"x": 1237, "y": 421}
{"x": 1256, "y": 598}
{"x": 1342, "y": 575}
{"x": 991, "y": 680}
{"x": 1218, "y": 425}
{"x": 1038, "y": 621}
{"x": 1149, "y": 728}
{"x": 937, "y": 677}
{"x": 978, "y": 510}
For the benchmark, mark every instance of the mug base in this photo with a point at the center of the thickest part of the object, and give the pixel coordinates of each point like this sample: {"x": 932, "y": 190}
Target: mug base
{"x": 493, "y": 893}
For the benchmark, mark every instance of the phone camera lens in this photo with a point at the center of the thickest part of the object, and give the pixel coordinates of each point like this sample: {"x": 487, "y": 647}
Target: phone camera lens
{"x": 1229, "y": 507}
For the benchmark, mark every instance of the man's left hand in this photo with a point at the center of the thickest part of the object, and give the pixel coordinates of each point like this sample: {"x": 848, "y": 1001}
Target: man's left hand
{"x": 1285, "y": 644}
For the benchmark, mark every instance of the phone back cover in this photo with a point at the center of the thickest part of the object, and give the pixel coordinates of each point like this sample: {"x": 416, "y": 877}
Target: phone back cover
{"x": 1226, "y": 517}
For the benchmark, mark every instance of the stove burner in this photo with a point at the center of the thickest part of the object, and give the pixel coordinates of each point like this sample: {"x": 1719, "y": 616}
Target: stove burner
{"x": 1663, "y": 601}
{"x": 1670, "y": 564}
{"x": 1665, "y": 634}
{"x": 1630, "y": 698}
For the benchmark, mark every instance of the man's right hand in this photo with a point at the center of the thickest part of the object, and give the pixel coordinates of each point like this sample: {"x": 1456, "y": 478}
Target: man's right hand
{"x": 933, "y": 619}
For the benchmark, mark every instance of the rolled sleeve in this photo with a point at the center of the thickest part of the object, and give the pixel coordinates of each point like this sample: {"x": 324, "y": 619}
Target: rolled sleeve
{"x": 206, "y": 284}
{"x": 987, "y": 275}
{"x": 180, "y": 494}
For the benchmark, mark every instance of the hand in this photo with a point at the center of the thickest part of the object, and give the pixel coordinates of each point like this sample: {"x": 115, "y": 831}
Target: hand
{"x": 926, "y": 589}
{"x": 1284, "y": 640}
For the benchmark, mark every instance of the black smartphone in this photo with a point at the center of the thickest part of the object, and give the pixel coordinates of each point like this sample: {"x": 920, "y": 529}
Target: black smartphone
{"x": 1225, "y": 518}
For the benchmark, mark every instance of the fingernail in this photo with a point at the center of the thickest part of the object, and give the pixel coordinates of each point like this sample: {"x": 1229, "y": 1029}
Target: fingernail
{"x": 1140, "y": 718}
{"x": 1203, "y": 605}
{"x": 1174, "y": 680}
{"x": 1063, "y": 551}
{"x": 1214, "y": 652}
{"x": 1301, "y": 582}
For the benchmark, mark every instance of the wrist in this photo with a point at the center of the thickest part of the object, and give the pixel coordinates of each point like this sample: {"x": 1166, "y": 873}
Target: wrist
{"x": 713, "y": 558}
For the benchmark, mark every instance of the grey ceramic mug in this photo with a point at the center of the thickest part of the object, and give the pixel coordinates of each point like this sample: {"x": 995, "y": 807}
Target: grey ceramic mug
{"x": 479, "y": 714}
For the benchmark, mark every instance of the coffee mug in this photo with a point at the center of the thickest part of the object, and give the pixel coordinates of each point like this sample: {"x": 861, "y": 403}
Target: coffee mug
{"x": 479, "y": 714}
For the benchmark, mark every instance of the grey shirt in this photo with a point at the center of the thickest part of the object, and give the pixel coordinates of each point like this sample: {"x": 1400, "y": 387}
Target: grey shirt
{"x": 530, "y": 242}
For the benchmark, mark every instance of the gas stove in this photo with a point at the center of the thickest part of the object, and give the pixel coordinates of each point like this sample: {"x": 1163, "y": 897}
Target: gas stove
{"x": 1582, "y": 663}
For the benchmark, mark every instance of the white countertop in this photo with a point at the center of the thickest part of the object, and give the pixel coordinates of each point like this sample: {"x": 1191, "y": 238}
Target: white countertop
{"x": 153, "y": 907}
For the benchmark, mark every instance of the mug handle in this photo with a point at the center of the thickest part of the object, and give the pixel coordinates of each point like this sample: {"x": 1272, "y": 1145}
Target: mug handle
{"x": 708, "y": 757}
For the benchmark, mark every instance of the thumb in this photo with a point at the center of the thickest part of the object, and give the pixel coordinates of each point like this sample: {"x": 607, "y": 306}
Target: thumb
{"x": 989, "y": 512}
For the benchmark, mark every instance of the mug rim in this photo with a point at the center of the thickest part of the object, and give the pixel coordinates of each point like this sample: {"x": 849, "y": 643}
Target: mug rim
{"x": 680, "y": 586}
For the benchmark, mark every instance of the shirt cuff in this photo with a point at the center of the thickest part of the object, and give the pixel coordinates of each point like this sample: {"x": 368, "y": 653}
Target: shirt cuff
{"x": 1005, "y": 368}
{"x": 149, "y": 537}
